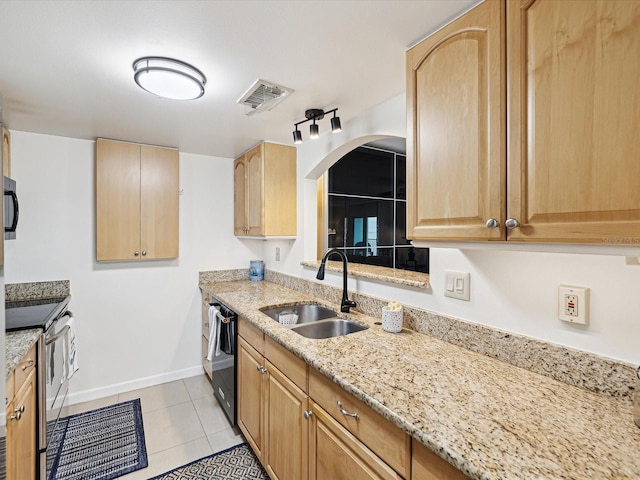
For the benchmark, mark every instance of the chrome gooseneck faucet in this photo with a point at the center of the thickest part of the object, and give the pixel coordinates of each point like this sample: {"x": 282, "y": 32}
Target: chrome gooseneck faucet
{"x": 345, "y": 304}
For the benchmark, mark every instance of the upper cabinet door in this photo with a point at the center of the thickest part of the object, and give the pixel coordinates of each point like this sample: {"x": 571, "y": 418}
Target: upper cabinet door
{"x": 255, "y": 189}
{"x": 574, "y": 113}
{"x": 240, "y": 196}
{"x": 456, "y": 129}
{"x": 159, "y": 187}
{"x": 117, "y": 200}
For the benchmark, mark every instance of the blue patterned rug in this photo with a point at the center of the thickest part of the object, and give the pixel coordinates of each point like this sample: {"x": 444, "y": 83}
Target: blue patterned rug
{"x": 102, "y": 444}
{"x": 235, "y": 463}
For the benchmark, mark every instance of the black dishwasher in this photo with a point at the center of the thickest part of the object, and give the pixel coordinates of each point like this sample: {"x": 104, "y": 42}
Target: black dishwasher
{"x": 223, "y": 363}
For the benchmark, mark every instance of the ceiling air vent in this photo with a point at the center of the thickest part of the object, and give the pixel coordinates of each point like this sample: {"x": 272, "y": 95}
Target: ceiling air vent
{"x": 262, "y": 96}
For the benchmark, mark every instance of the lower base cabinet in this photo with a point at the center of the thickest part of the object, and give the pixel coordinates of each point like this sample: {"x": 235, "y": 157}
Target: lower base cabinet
{"x": 338, "y": 455}
{"x": 303, "y": 426}
{"x": 21, "y": 415}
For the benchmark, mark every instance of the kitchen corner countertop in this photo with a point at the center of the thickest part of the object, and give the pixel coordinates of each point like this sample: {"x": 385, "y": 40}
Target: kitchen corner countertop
{"x": 17, "y": 344}
{"x": 488, "y": 418}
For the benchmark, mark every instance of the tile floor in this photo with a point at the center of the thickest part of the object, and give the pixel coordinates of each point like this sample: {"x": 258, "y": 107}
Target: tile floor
{"x": 182, "y": 423}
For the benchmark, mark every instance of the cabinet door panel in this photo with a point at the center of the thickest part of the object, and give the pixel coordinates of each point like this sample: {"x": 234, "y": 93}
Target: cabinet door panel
{"x": 239, "y": 196}
{"x": 455, "y": 142}
{"x": 159, "y": 187}
{"x": 117, "y": 200}
{"x": 250, "y": 395}
{"x": 255, "y": 189}
{"x": 338, "y": 455}
{"x": 286, "y": 428}
{"x": 574, "y": 113}
{"x": 21, "y": 449}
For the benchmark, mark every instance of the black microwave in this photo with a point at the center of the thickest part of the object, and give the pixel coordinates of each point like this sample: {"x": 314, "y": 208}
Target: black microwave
{"x": 11, "y": 210}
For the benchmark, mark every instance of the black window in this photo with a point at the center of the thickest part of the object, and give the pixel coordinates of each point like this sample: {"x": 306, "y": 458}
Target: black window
{"x": 367, "y": 210}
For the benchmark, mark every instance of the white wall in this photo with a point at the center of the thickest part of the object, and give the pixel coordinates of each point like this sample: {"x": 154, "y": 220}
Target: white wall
{"x": 137, "y": 323}
{"x": 511, "y": 290}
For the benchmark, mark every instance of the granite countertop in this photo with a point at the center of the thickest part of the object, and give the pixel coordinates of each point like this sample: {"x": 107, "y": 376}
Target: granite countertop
{"x": 17, "y": 344}
{"x": 490, "y": 419}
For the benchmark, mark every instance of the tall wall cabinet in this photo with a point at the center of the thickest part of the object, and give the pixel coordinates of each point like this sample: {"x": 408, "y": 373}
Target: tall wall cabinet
{"x": 521, "y": 121}
{"x": 136, "y": 201}
{"x": 264, "y": 181}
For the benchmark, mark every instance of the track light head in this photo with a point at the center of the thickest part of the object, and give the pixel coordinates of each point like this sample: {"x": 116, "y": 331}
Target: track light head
{"x": 314, "y": 131}
{"x": 335, "y": 124}
{"x": 297, "y": 136}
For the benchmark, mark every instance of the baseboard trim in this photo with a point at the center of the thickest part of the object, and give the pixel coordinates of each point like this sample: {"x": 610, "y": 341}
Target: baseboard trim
{"x": 117, "y": 388}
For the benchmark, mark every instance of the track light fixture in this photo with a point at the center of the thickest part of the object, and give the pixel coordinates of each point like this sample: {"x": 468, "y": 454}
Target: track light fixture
{"x": 312, "y": 115}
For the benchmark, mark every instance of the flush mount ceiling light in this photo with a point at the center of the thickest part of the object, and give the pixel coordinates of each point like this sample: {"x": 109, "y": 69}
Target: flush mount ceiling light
{"x": 169, "y": 78}
{"x": 312, "y": 115}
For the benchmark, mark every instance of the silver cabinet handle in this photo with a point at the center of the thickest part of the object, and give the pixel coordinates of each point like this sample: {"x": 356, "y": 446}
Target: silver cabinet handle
{"x": 307, "y": 414}
{"x": 136, "y": 253}
{"x": 492, "y": 223}
{"x": 344, "y": 412}
{"x": 261, "y": 369}
{"x": 17, "y": 413}
{"x": 30, "y": 363}
{"x": 511, "y": 223}
{"x": 144, "y": 252}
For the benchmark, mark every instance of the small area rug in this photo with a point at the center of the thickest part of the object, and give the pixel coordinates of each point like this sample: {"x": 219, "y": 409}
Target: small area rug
{"x": 235, "y": 463}
{"x": 102, "y": 444}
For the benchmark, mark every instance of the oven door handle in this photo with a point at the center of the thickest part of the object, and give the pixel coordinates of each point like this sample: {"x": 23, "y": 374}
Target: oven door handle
{"x": 57, "y": 336}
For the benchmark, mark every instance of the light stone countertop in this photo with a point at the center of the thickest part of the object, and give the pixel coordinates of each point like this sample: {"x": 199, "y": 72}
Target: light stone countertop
{"x": 490, "y": 419}
{"x": 17, "y": 344}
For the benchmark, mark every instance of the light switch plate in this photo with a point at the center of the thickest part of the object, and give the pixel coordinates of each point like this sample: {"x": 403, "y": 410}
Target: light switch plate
{"x": 573, "y": 304}
{"x": 457, "y": 284}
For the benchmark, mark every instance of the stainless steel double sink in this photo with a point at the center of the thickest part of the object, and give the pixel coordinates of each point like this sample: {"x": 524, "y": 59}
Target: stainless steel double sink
{"x": 313, "y": 321}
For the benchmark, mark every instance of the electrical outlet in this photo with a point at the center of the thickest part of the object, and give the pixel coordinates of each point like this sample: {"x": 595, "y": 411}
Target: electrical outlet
{"x": 573, "y": 304}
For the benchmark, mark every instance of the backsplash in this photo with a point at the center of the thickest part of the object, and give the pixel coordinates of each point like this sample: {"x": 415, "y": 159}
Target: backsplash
{"x": 574, "y": 367}
{"x": 32, "y": 290}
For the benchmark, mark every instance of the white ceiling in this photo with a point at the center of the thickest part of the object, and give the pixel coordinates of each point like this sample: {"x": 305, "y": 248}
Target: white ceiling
{"x": 65, "y": 66}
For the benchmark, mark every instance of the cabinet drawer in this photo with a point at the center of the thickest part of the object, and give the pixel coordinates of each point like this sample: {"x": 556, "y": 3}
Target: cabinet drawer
{"x": 25, "y": 367}
{"x": 426, "y": 465}
{"x": 293, "y": 367}
{"x": 251, "y": 334}
{"x": 385, "y": 439}
{"x": 206, "y": 364}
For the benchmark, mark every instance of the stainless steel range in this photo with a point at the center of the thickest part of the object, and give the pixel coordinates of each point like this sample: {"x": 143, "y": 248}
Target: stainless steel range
{"x": 52, "y": 316}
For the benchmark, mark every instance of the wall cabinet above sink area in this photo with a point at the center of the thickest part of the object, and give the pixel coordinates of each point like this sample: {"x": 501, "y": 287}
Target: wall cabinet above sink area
{"x": 521, "y": 120}
{"x": 264, "y": 184}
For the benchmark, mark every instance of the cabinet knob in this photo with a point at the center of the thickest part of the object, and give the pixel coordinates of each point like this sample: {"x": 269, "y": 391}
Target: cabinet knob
{"x": 261, "y": 369}
{"x": 511, "y": 223}
{"x": 136, "y": 253}
{"x": 144, "y": 252}
{"x": 17, "y": 413}
{"x": 492, "y": 223}
{"x": 307, "y": 414}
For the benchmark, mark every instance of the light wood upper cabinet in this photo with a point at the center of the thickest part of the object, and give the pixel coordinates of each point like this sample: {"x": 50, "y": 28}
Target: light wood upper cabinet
{"x": 568, "y": 170}
{"x": 265, "y": 192}
{"x": 6, "y": 152}
{"x": 136, "y": 201}
{"x": 574, "y": 114}
{"x": 456, "y": 129}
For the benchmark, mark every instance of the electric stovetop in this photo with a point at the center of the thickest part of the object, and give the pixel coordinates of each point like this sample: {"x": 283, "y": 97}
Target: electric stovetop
{"x": 38, "y": 313}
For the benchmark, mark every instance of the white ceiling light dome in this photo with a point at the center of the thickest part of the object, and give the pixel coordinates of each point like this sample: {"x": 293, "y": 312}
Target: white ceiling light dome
{"x": 169, "y": 78}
